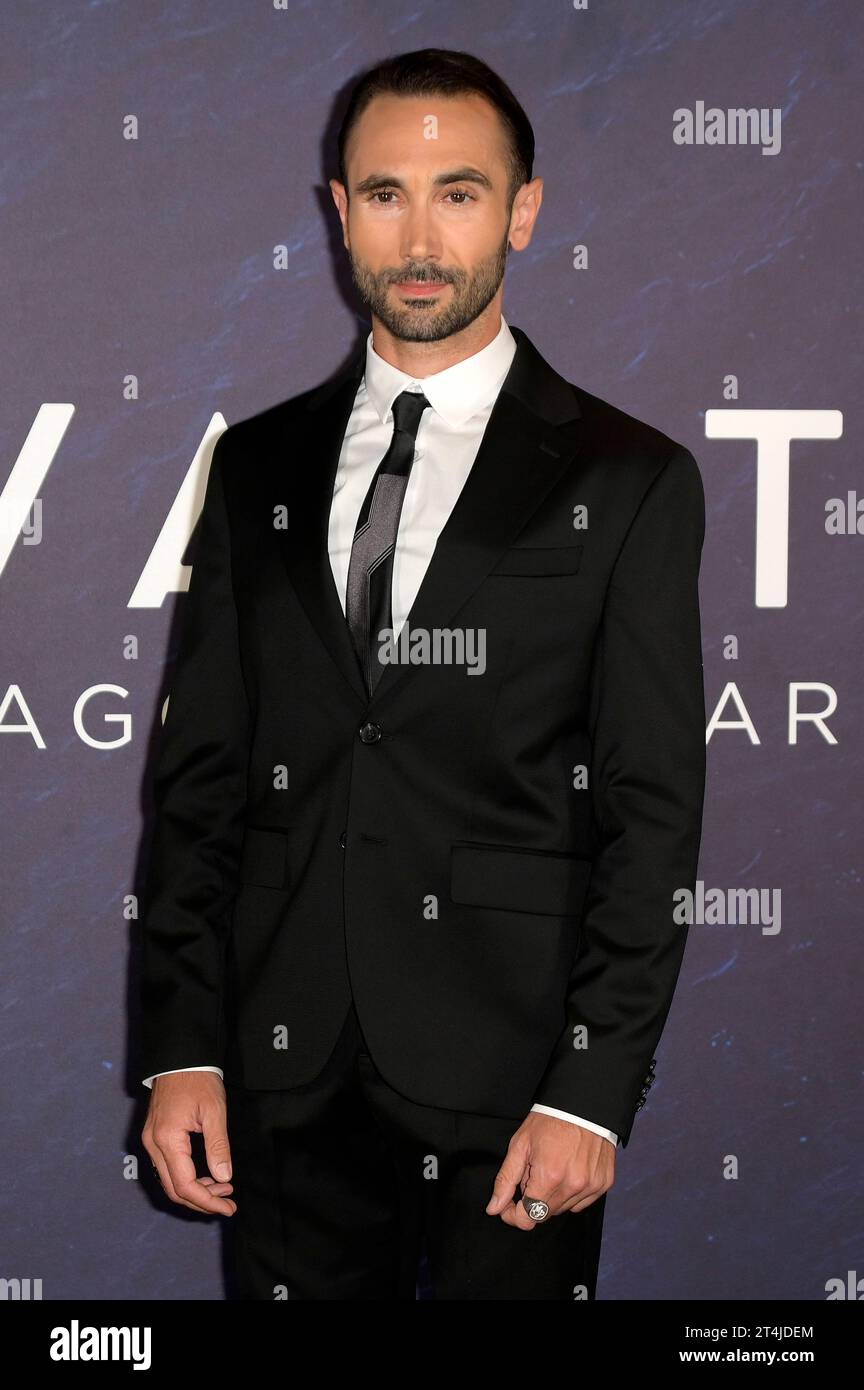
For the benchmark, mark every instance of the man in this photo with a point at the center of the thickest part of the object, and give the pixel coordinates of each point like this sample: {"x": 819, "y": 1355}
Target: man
{"x": 432, "y": 767}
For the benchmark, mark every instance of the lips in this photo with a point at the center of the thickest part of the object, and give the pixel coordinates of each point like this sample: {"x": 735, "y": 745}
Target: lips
{"x": 419, "y": 287}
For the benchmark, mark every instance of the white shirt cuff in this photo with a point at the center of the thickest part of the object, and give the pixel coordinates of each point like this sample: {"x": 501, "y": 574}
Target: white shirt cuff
{"x": 577, "y": 1120}
{"x": 150, "y": 1079}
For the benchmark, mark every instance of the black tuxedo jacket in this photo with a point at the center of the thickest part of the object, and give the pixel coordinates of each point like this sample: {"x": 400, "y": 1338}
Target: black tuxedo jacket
{"x": 504, "y": 920}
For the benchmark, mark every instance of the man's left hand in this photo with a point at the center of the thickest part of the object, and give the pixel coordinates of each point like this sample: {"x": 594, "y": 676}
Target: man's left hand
{"x": 563, "y": 1164}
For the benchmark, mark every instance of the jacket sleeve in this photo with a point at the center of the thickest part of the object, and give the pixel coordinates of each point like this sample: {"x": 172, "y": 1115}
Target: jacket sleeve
{"x": 199, "y": 793}
{"x": 647, "y": 780}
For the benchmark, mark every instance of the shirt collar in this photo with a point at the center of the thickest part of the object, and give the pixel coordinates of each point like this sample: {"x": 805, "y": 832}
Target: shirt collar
{"x": 455, "y": 394}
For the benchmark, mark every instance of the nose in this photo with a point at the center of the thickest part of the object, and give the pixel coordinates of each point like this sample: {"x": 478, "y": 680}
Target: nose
{"x": 420, "y": 240}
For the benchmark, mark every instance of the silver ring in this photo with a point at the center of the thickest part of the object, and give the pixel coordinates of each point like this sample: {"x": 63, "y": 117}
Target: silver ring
{"x": 536, "y": 1209}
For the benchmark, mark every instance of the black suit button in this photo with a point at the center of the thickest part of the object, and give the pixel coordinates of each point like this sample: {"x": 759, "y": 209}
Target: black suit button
{"x": 342, "y": 840}
{"x": 369, "y": 732}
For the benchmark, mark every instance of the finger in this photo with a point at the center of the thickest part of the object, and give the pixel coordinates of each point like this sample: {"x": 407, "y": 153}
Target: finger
{"x": 158, "y": 1160}
{"x": 188, "y": 1187}
{"x": 507, "y": 1179}
{"x": 548, "y": 1185}
{"x": 216, "y": 1146}
{"x": 562, "y": 1196}
{"x": 162, "y": 1173}
{"x": 581, "y": 1194}
{"x": 580, "y": 1203}
{"x": 168, "y": 1186}
{"x": 219, "y": 1189}
{"x": 516, "y": 1215}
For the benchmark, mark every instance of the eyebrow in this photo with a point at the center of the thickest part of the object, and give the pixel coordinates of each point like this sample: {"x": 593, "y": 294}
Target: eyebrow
{"x": 467, "y": 175}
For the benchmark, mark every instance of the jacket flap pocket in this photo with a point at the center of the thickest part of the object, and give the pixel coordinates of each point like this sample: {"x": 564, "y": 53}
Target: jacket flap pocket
{"x": 263, "y": 857}
{"x": 554, "y": 559}
{"x": 521, "y": 880}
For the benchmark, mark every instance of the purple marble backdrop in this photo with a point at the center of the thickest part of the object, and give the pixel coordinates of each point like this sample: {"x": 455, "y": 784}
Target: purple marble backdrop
{"x": 153, "y": 258}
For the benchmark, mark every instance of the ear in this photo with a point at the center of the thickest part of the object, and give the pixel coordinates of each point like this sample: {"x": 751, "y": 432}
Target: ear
{"x": 340, "y": 198}
{"x": 526, "y": 206}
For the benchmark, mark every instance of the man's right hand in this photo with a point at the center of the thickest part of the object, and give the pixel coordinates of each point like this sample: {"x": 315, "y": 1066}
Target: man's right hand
{"x": 181, "y": 1103}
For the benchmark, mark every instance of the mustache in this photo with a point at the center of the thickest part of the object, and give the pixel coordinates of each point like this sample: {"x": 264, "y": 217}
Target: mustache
{"x": 419, "y": 277}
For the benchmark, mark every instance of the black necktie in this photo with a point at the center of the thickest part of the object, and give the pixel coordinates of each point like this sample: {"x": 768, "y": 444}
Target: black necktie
{"x": 368, "y": 600}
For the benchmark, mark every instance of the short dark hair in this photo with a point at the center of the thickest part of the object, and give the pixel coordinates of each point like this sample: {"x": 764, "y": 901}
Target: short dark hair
{"x": 445, "y": 72}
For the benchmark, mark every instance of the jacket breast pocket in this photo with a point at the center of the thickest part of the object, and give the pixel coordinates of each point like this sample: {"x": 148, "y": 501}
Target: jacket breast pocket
{"x": 540, "y": 560}
{"x": 264, "y": 857}
{"x": 518, "y": 880}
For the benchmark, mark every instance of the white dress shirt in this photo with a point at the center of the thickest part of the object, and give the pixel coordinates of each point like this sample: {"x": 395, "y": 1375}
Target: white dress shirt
{"x": 461, "y": 399}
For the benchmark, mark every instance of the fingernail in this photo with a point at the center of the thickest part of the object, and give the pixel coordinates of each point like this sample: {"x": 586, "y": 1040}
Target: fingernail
{"x": 223, "y": 1172}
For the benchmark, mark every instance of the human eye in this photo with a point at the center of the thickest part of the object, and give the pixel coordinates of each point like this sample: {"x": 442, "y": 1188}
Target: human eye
{"x": 380, "y": 193}
{"x": 461, "y": 193}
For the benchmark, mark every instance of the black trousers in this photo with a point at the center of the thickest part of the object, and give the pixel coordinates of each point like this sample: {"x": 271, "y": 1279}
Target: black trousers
{"x": 343, "y": 1183}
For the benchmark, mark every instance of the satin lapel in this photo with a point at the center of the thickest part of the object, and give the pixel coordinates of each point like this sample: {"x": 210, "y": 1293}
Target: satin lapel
{"x": 521, "y": 457}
